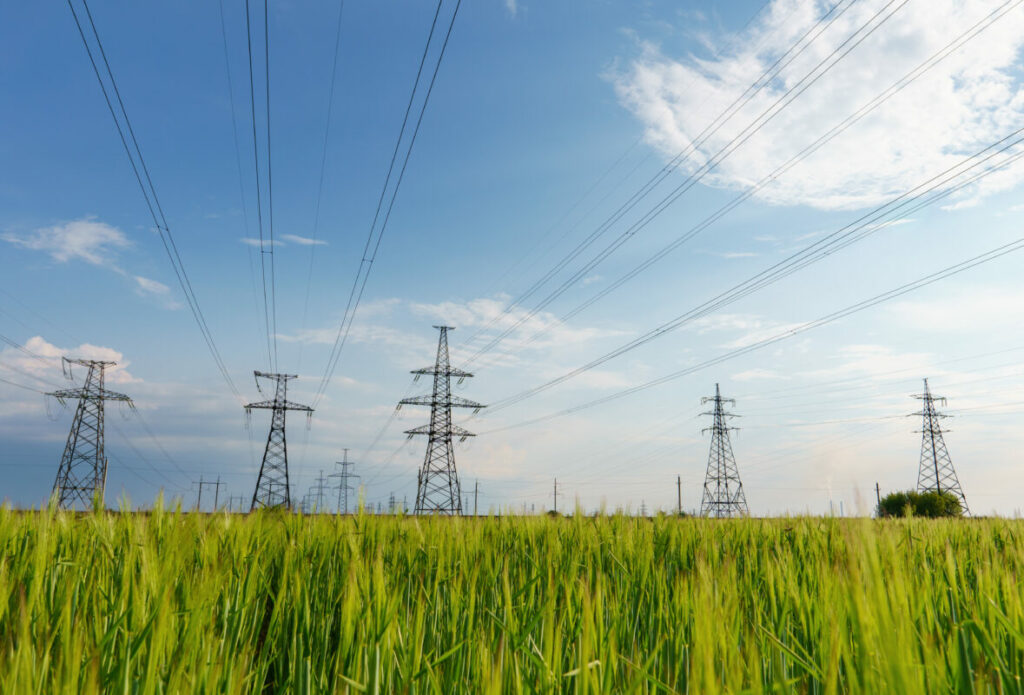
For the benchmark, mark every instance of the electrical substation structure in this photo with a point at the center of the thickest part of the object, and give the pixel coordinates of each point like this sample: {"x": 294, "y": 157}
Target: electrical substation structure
{"x": 723, "y": 491}
{"x": 83, "y": 467}
{"x": 935, "y": 472}
{"x": 273, "y": 487}
{"x": 438, "y": 490}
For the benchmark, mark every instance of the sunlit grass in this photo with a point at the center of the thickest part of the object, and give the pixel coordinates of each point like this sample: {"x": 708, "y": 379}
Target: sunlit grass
{"x": 177, "y": 603}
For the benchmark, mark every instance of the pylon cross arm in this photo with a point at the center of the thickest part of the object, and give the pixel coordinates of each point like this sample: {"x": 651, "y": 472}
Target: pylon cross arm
{"x": 459, "y": 402}
{"x": 277, "y": 405}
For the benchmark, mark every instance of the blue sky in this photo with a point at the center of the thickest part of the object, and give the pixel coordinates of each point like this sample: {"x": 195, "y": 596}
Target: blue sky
{"x": 545, "y": 119}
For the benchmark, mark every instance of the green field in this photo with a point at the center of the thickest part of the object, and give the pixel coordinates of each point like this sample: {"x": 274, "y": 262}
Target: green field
{"x": 179, "y": 603}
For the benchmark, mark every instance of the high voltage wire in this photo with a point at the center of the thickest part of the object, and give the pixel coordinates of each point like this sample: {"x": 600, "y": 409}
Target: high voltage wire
{"x": 667, "y": 169}
{"x": 20, "y": 386}
{"x": 829, "y": 318}
{"x": 149, "y": 193}
{"x": 323, "y": 169}
{"x": 547, "y": 232}
{"x": 271, "y": 335}
{"x": 366, "y": 264}
{"x": 238, "y": 163}
{"x": 792, "y": 93}
{"x": 691, "y": 180}
{"x": 895, "y": 88}
{"x": 270, "y": 179}
{"x": 855, "y": 231}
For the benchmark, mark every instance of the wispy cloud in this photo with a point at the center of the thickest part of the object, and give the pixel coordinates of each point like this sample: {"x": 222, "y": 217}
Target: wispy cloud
{"x": 96, "y": 243}
{"x": 258, "y": 243}
{"x": 303, "y": 241}
{"x": 972, "y": 98}
{"x": 86, "y": 240}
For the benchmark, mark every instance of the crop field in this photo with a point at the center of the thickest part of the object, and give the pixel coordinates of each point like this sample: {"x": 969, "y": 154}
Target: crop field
{"x": 174, "y": 602}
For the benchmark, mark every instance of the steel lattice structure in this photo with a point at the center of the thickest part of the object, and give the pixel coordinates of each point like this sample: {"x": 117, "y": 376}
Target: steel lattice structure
{"x": 935, "y": 472}
{"x": 273, "y": 487}
{"x": 723, "y": 491}
{"x": 83, "y": 467}
{"x": 437, "y": 489}
{"x": 343, "y": 477}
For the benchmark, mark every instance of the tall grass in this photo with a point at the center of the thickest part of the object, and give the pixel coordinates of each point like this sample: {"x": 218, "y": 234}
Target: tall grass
{"x": 178, "y": 603}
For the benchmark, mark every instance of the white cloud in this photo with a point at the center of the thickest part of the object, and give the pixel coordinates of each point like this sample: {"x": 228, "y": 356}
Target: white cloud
{"x": 151, "y": 286}
{"x": 258, "y": 243}
{"x": 86, "y": 239}
{"x": 303, "y": 241}
{"x": 512, "y": 6}
{"x": 729, "y": 255}
{"x": 49, "y": 368}
{"x": 968, "y": 101}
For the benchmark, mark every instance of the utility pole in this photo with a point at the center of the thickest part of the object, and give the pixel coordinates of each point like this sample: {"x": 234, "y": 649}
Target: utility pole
{"x": 272, "y": 486}
{"x": 216, "y": 492}
{"x": 935, "y": 472}
{"x": 679, "y": 495}
{"x": 723, "y": 491}
{"x": 438, "y": 490}
{"x": 476, "y": 495}
{"x": 83, "y": 466}
{"x": 878, "y": 495}
{"x": 343, "y": 477}
{"x": 556, "y": 495}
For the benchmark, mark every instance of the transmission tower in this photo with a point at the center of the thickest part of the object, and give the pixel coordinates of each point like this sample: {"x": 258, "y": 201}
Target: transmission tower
{"x": 316, "y": 492}
{"x": 437, "y": 489}
{"x": 343, "y": 477}
{"x": 272, "y": 486}
{"x": 83, "y": 467}
{"x": 723, "y": 491}
{"x": 935, "y": 473}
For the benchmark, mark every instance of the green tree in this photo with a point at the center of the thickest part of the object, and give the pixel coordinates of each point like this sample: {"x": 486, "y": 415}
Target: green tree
{"x": 927, "y": 504}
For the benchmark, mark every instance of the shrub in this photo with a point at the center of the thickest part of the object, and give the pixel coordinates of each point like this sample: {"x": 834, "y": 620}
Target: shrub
{"x": 931, "y": 505}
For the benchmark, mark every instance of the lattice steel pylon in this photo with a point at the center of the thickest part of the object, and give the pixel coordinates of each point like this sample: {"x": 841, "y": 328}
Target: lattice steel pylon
{"x": 437, "y": 489}
{"x": 273, "y": 488}
{"x": 343, "y": 477}
{"x": 723, "y": 491}
{"x": 83, "y": 467}
{"x": 935, "y": 472}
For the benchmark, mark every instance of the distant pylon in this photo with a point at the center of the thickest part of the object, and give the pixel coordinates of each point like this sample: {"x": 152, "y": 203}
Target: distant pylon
{"x": 935, "y": 472}
{"x": 343, "y": 477}
{"x": 723, "y": 491}
{"x": 438, "y": 490}
{"x": 83, "y": 467}
{"x": 272, "y": 487}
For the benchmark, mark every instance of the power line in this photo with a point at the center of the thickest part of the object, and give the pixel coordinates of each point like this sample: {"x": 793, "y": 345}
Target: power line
{"x": 271, "y": 345}
{"x": 816, "y": 251}
{"x": 831, "y": 134}
{"x": 20, "y": 386}
{"x": 149, "y": 193}
{"x": 810, "y": 78}
{"x": 829, "y": 318}
{"x": 366, "y": 264}
{"x": 323, "y": 169}
{"x": 238, "y": 162}
{"x": 270, "y": 180}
